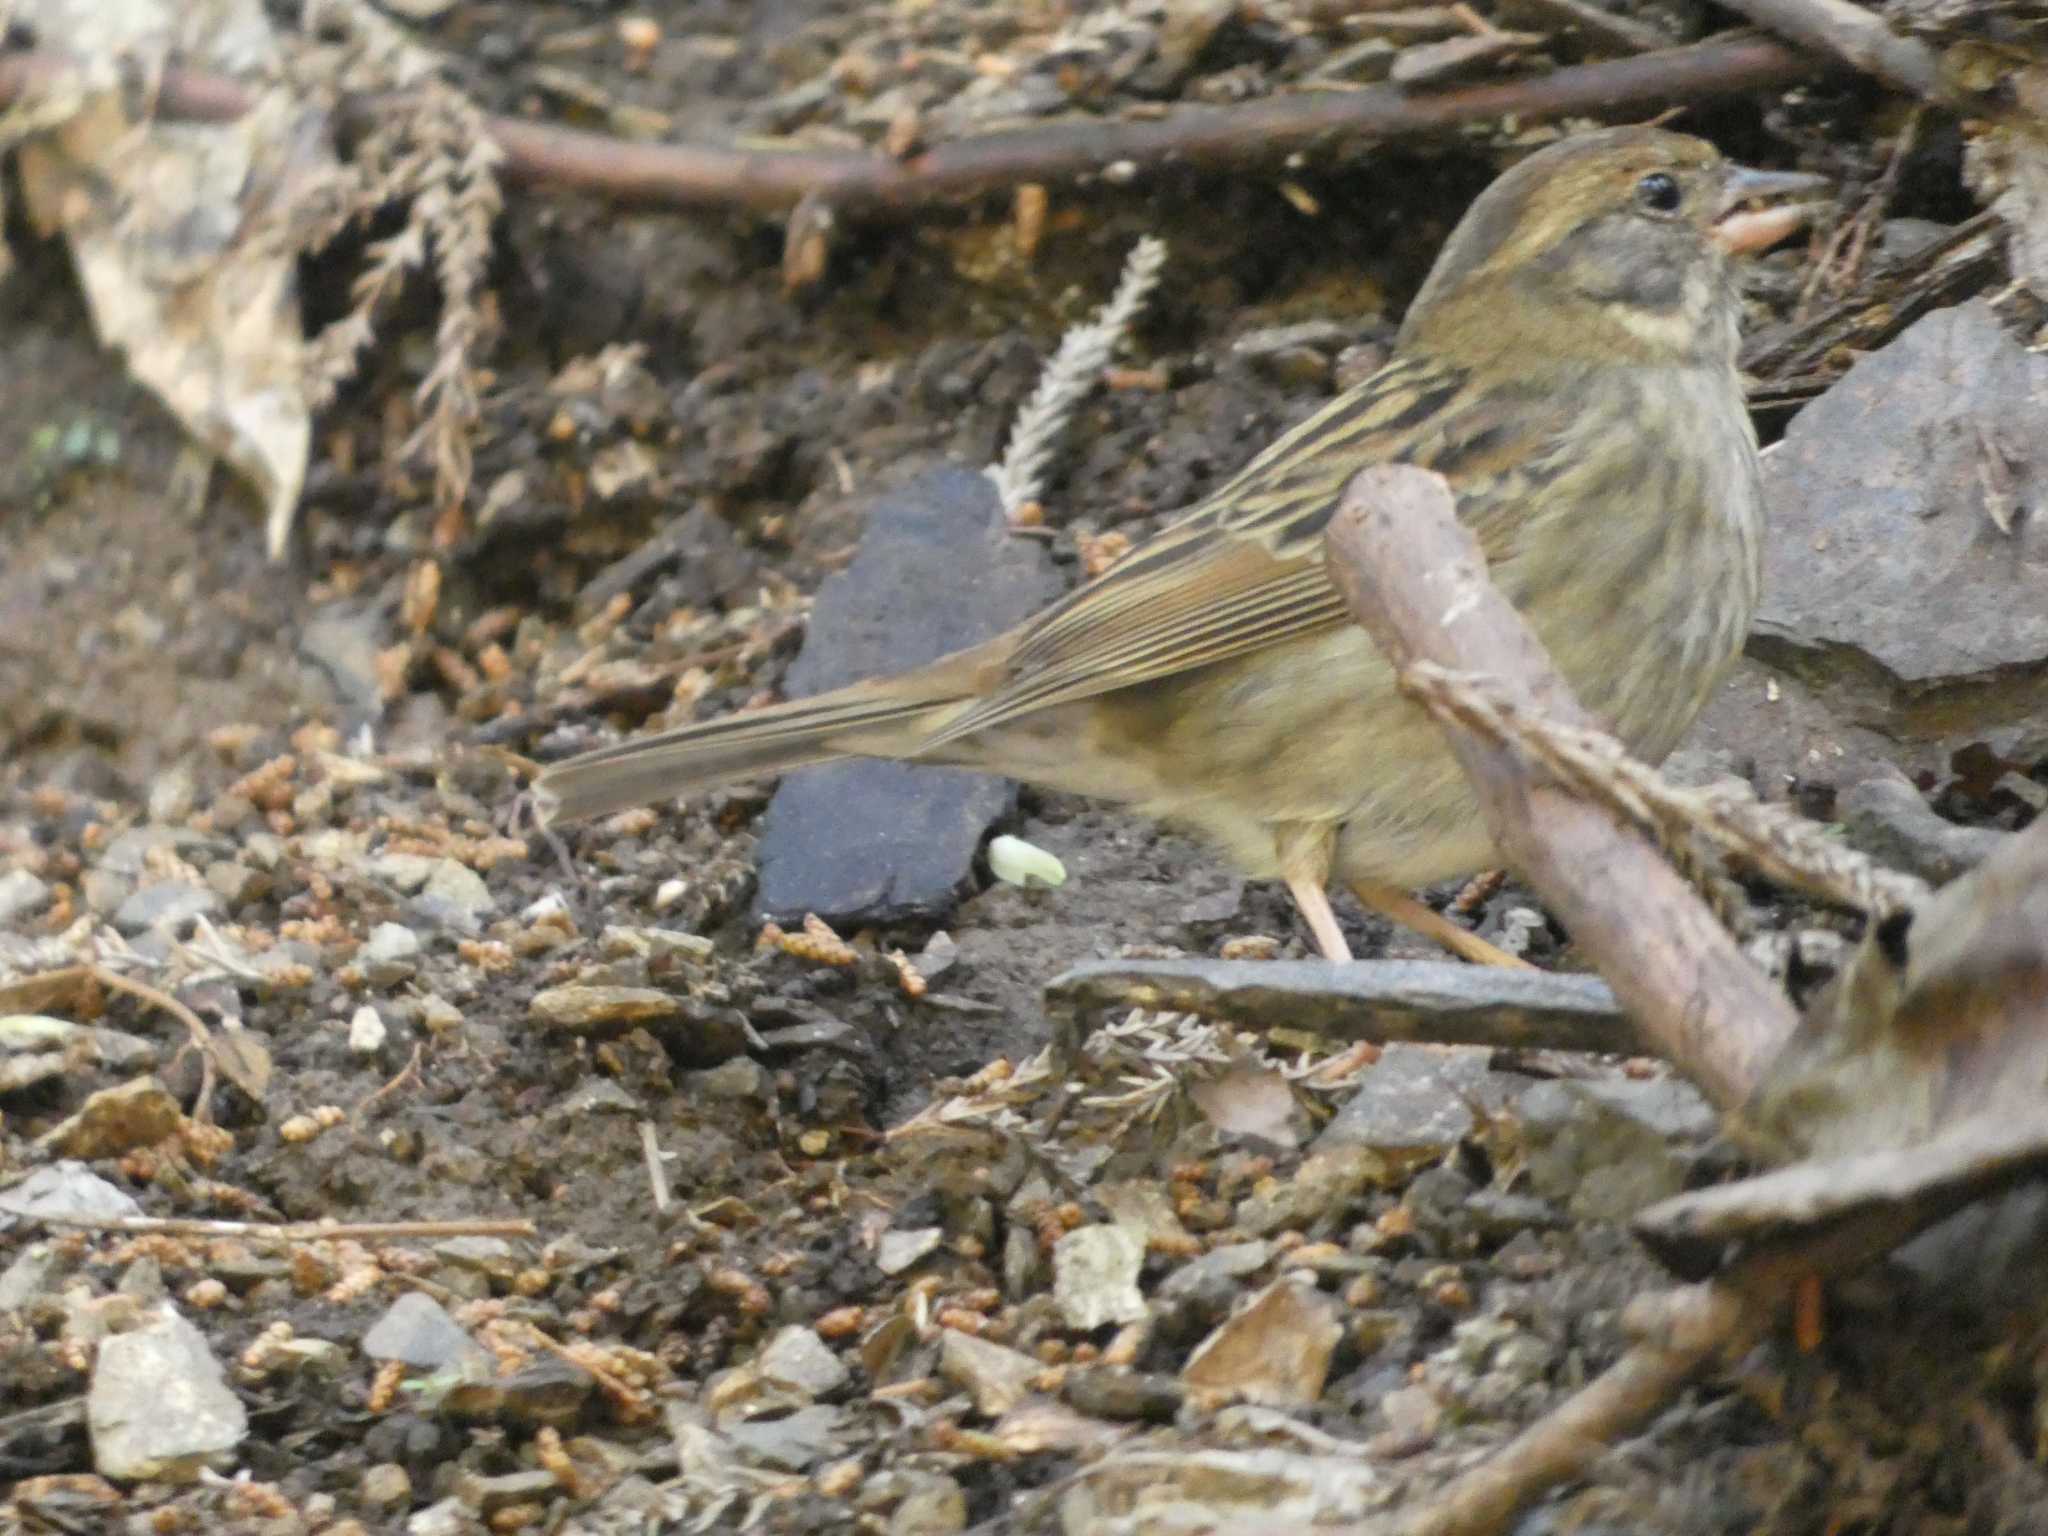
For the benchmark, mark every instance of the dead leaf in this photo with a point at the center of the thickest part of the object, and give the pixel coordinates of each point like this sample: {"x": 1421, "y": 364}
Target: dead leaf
{"x": 1251, "y": 1101}
{"x": 164, "y": 223}
{"x": 242, "y": 1059}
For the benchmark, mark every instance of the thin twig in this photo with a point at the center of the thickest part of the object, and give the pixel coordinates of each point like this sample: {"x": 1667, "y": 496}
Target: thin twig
{"x": 876, "y": 184}
{"x": 1856, "y": 36}
{"x": 271, "y": 1232}
{"x": 1785, "y": 846}
{"x": 156, "y": 997}
{"x": 1677, "y": 1336}
{"x": 657, "y": 1175}
{"x": 410, "y": 1072}
{"x": 1622, "y": 33}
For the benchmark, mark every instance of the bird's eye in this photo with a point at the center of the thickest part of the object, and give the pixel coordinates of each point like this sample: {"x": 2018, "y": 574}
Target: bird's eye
{"x": 1658, "y": 192}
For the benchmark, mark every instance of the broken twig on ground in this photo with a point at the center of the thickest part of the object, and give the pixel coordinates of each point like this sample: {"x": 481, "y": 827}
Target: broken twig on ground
{"x": 1402, "y": 560}
{"x": 1856, "y": 36}
{"x": 1678, "y": 1334}
{"x": 1785, "y": 846}
{"x": 271, "y": 1232}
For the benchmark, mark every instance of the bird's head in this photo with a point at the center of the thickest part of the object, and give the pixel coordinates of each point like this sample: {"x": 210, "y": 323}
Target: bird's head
{"x": 1612, "y": 243}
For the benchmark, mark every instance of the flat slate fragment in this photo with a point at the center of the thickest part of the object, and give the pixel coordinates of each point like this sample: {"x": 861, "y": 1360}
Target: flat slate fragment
{"x": 1377, "y": 1000}
{"x": 1886, "y": 502}
{"x": 937, "y": 570}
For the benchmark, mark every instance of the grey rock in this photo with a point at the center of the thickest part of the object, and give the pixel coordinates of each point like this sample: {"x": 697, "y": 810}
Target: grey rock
{"x": 1023, "y": 1263}
{"x": 458, "y": 886}
{"x": 35, "y": 1047}
{"x": 166, "y": 904}
{"x": 1095, "y": 1276}
{"x": 1232, "y": 1261}
{"x": 1381, "y": 1000}
{"x": 487, "y": 1495}
{"x": 236, "y": 883}
{"x": 143, "y": 1279}
{"x": 390, "y": 955}
{"x": 1110, "y": 1393}
{"x": 341, "y": 643}
{"x": 1418, "y": 1099}
{"x": 159, "y": 1407}
{"x": 596, "y": 1096}
{"x": 418, "y": 1331}
{"x": 21, "y": 1069}
{"x": 898, "y": 1250}
{"x": 105, "y": 889}
{"x": 1889, "y": 581}
{"x": 937, "y": 569}
{"x": 1267, "y": 340}
{"x": 128, "y": 851}
{"x": 933, "y": 1506}
{"x": 1329, "y": 1179}
{"x": 386, "y": 1486}
{"x": 171, "y": 794}
{"x": 996, "y": 1377}
{"x": 366, "y": 1031}
{"x": 64, "y": 1189}
{"x": 28, "y": 1276}
{"x": 1891, "y": 820}
{"x": 656, "y": 944}
{"x": 581, "y": 1008}
{"x": 1217, "y": 907}
{"x": 20, "y": 894}
{"x": 492, "y": 1258}
{"x": 405, "y": 872}
{"x": 1496, "y": 1216}
{"x": 797, "y": 1357}
{"x": 1436, "y": 1198}
{"x": 448, "y": 1517}
{"x": 793, "y": 1441}
{"x": 1605, "y": 1149}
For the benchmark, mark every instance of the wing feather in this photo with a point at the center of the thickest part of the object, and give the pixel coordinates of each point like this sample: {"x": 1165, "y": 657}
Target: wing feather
{"x": 1244, "y": 569}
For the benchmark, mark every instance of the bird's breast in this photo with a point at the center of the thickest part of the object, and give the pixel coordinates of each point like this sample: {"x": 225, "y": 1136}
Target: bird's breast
{"x": 1639, "y": 562}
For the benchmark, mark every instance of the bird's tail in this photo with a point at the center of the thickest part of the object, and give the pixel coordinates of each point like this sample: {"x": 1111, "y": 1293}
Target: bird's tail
{"x": 856, "y": 721}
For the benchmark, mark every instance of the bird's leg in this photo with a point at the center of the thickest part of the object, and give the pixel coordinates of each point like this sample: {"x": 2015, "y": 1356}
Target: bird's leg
{"x": 1307, "y": 854}
{"x": 1314, "y": 901}
{"x": 1410, "y": 913}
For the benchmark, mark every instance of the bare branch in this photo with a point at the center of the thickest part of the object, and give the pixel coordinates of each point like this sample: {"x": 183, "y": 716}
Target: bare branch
{"x": 1402, "y": 560}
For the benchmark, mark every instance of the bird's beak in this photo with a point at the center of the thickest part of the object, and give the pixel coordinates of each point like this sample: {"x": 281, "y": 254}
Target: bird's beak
{"x": 1753, "y": 214}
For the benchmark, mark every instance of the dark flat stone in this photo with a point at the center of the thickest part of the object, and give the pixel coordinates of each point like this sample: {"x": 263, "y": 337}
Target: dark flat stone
{"x": 937, "y": 570}
{"x": 1379, "y": 1000}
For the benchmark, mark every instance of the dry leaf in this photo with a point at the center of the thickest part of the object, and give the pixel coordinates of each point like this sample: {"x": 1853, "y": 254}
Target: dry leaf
{"x": 161, "y": 221}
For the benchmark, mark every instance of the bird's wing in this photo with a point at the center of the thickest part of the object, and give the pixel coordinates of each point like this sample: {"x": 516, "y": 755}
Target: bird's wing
{"x": 1244, "y": 569}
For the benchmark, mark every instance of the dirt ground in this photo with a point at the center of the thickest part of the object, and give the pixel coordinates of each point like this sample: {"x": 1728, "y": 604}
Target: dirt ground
{"x": 154, "y": 669}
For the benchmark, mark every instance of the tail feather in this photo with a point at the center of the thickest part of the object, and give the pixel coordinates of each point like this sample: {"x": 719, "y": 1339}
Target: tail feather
{"x": 847, "y": 722}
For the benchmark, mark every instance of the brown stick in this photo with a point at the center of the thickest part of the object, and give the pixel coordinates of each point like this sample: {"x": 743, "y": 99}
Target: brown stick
{"x": 861, "y": 181}
{"x": 271, "y": 1232}
{"x": 1406, "y": 567}
{"x": 1858, "y": 37}
{"x": 1678, "y": 1335}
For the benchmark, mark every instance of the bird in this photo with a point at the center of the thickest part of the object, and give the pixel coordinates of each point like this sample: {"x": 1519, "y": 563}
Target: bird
{"x": 1569, "y": 367}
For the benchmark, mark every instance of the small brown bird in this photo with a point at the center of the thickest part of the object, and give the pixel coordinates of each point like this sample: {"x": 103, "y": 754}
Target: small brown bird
{"x": 1569, "y": 367}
